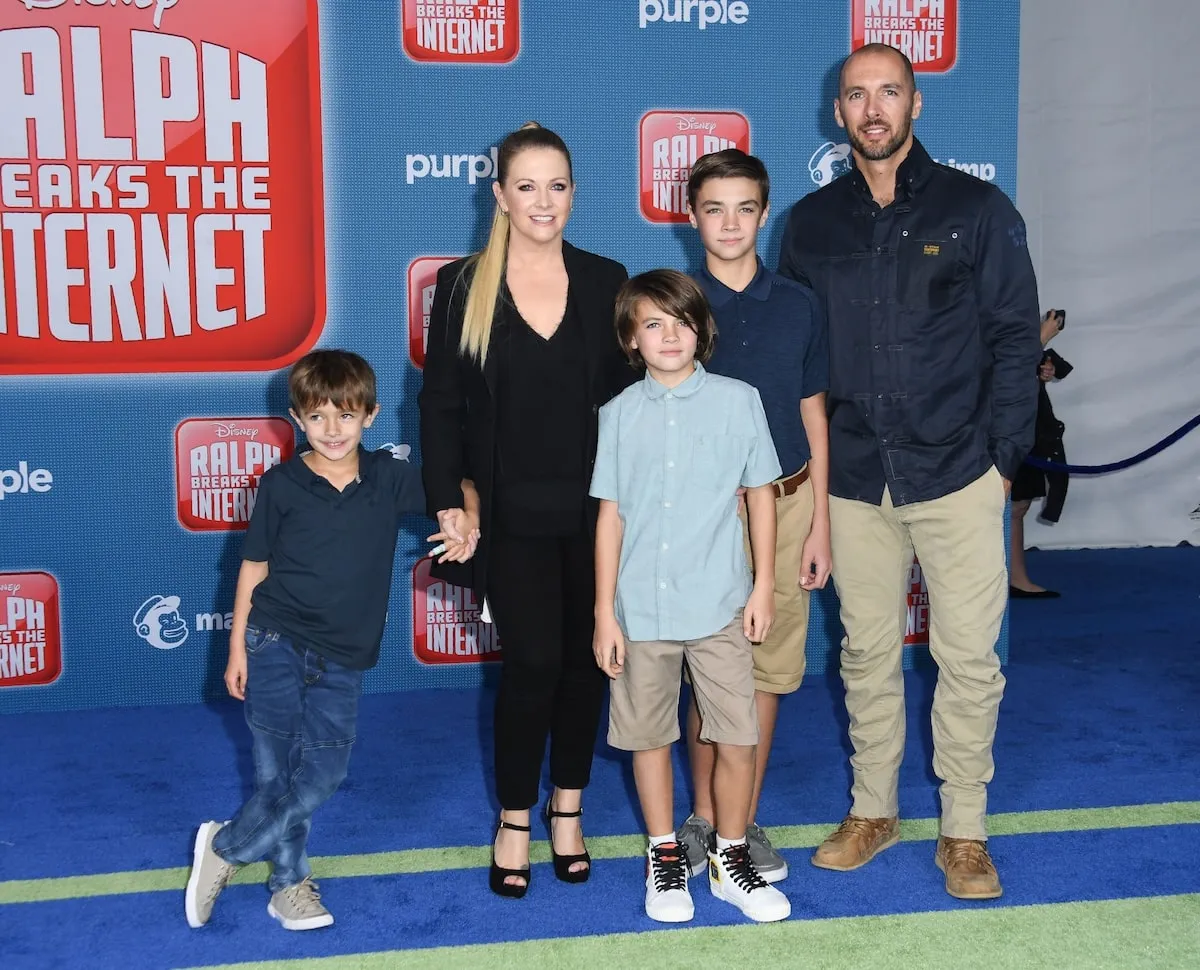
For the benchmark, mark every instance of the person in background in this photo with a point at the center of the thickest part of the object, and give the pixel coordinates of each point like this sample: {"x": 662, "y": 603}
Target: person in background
{"x": 1031, "y": 482}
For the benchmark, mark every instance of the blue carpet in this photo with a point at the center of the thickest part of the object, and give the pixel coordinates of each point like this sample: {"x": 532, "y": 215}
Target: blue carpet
{"x": 1103, "y": 690}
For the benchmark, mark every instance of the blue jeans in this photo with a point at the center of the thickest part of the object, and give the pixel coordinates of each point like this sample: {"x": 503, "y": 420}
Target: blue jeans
{"x": 302, "y": 710}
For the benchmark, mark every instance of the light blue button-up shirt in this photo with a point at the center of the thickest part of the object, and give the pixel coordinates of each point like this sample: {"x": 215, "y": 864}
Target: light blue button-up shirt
{"x": 672, "y": 459}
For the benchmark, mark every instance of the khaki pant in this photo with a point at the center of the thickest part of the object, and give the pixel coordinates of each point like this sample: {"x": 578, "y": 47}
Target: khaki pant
{"x": 779, "y": 659}
{"x": 959, "y": 540}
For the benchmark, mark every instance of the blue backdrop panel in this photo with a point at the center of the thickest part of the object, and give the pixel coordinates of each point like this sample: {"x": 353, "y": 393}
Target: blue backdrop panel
{"x": 101, "y": 564}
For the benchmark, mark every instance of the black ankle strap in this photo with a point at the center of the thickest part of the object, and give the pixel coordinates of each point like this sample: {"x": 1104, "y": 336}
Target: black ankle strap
{"x": 551, "y": 813}
{"x": 515, "y": 828}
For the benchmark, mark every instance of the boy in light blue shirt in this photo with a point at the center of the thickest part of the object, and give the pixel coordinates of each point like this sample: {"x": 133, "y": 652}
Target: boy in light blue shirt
{"x": 672, "y": 582}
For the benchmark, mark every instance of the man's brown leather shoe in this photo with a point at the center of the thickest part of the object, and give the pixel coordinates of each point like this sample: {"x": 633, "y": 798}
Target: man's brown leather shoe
{"x": 856, "y": 842}
{"x": 970, "y": 873}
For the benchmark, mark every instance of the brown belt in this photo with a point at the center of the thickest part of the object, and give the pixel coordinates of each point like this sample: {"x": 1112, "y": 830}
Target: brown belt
{"x": 788, "y": 486}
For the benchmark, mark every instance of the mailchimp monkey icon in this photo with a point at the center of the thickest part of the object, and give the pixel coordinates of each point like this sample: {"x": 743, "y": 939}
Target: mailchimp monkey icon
{"x": 158, "y": 622}
{"x": 828, "y": 163}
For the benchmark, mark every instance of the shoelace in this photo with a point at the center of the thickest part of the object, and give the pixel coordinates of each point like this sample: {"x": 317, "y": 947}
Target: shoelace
{"x": 221, "y": 881}
{"x": 863, "y": 827}
{"x": 741, "y": 870}
{"x": 304, "y": 894}
{"x": 666, "y": 863}
{"x": 970, "y": 855}
{"x": 762, "y": 837}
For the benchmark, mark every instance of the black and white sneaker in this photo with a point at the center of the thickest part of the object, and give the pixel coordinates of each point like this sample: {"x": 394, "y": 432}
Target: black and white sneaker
{"x": 733, "y": 878}
{"x": 667, "y": 896}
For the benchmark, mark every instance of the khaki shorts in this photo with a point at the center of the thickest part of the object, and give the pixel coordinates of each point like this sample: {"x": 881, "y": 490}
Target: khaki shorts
{"x": 643, "y": 711}
{"x": 779, "y": 660}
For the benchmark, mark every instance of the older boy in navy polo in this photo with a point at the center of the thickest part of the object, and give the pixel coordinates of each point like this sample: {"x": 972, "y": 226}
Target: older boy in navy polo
{"x": 308, "y": 616}
{"x": 770, "y": 334}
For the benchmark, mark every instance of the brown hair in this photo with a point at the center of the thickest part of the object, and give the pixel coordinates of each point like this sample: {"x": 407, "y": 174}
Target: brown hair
{"x": 343, "y": 378}
{"x": 732, "y": 163}
{"x": 489, "y": 262}
{"x": 672, "y": 292}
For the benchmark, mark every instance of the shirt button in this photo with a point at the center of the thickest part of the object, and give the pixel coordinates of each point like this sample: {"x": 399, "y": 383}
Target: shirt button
{"x": 671, "y": 422}
{"x": 669, "y": 395}
{"x": 877, "y": 346}
{"x": 744, "y": 344}
{"x": 666, "y": 505}
{"x": 665, "y": 546}
{"x": 662, "y": 585}
{"x": 670, "y": 464}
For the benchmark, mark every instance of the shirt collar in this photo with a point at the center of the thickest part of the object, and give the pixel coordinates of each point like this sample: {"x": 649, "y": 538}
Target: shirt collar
{"x": 654, "y": 390}
{"x": 719, "y": 294}
{"x": 314, "y": 481}
{"x": 911, "y": 175}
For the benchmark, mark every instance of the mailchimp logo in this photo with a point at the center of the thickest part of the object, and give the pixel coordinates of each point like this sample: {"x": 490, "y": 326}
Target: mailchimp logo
{"x": 399, "y": 452}
{"x": 707, "y": 12}
{"x": 158, "y": 622}
{"x": 829, "y": 162}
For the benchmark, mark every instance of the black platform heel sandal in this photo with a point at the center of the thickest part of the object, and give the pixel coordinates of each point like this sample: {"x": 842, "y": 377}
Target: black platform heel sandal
{"x": 497, "y": 875}
{"x": 563, "y": 863}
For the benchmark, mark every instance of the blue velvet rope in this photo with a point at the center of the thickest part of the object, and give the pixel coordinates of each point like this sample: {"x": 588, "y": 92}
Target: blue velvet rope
{"x": 1116, "y": 466}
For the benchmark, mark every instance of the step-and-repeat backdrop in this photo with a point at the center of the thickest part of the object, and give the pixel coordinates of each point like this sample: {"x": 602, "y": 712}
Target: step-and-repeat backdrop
{"x": 195, "y": 192}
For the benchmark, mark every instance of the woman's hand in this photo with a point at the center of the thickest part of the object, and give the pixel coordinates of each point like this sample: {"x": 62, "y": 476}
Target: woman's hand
{"x": 460, "y": 533}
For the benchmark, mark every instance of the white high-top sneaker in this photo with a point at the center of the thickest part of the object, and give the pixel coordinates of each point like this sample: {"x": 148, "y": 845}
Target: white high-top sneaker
{"x": 733, "y": 878}
{"x": 667, "y": 896}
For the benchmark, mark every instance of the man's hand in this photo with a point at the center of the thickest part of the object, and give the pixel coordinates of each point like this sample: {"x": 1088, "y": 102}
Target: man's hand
{"x": 1050, "y": 327}
{"x": 759, "y": 613}
{"x": 235, "y": 671}
{"x": 608, "y": 644}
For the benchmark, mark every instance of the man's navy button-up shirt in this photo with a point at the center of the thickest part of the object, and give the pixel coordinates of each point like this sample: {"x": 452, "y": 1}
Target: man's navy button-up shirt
{"x": 934, "y": 324}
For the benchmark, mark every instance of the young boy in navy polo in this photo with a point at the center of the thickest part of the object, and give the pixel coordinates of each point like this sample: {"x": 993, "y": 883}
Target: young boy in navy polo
{"x": 771, "y": 334}
{"x": 308, "y": 617}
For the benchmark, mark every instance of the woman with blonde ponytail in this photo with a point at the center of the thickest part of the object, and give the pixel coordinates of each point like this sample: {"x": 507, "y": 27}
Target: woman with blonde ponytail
{"x": 522, "y": 353}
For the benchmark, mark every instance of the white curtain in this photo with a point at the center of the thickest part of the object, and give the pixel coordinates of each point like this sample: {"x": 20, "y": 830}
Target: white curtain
{"x": 1109, "y": 183}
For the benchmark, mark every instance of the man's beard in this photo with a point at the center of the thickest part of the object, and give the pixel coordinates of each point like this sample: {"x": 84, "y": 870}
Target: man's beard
{"x": 875, "y": 152}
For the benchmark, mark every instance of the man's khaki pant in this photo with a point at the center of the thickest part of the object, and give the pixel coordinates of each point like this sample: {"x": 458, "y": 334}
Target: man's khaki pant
{"x": 959, "y": 540}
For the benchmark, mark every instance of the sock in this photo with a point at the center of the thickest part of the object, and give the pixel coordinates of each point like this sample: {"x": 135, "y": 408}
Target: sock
{"x": 729, "y": 843}
{"x": 662, "y": 839}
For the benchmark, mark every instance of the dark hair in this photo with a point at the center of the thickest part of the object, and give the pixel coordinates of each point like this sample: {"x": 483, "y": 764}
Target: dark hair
{"x": 671, "y": 292}
{"x": 343, "y": 378}
{"x": 732, "y": 163}
{"x": 878, "y": 49}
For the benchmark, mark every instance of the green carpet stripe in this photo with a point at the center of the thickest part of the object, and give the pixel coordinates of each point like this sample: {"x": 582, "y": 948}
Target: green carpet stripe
{"x": 602, "y": 847}
{"x": 1155, "y": 933}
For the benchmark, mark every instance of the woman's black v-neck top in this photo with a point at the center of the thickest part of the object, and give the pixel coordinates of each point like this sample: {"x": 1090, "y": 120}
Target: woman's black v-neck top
{"x": 541, "y": 427}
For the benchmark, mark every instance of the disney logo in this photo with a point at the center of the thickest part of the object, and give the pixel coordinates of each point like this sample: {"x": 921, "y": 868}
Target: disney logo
{"x": 689, "y": 123}
{"x": 10, "y": 587}
{"x": 160, "y": 6}
{"x": 233, "y": 431}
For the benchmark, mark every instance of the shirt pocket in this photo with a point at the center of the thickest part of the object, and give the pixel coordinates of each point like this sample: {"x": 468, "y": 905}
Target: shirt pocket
{"x": 928, "y": 271}
{"x": 718, "y": 461}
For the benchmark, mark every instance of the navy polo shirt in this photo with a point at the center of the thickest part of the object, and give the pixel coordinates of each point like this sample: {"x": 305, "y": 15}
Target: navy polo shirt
{"x": 772, "y": 335}
{"x": 330, "y": 553}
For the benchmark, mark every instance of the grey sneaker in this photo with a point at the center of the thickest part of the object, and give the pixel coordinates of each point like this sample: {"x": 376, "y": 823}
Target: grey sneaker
{"x": 766, "y": 858}
{"x": 210, "y": 874}
{"x": 299, "y": 907}
{"x": 698, "y": 838}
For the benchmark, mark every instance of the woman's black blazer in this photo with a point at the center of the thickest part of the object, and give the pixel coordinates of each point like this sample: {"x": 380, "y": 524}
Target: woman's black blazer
{"x": 457, "y": 398}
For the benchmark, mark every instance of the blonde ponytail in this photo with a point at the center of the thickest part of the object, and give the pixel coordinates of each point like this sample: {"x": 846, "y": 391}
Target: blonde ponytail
{"x": 489, "y": 265}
